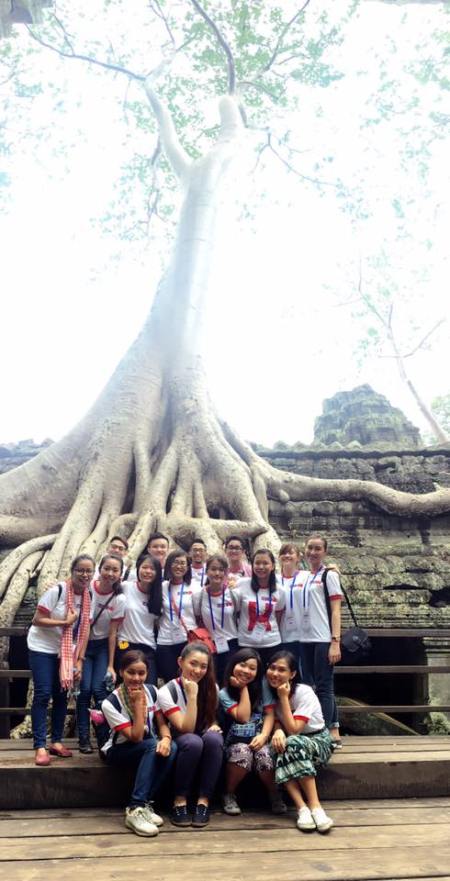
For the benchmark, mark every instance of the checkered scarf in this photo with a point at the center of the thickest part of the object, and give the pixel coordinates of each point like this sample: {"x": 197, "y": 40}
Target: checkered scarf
{"x": 69, "y": 651}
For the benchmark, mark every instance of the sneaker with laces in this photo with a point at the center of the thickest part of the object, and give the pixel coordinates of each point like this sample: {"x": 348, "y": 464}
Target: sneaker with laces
{"x": 230, "y": 804}
{"x": 305, "y": 820}
{"x": 136, "y": 819}
{"x": 322, "y": 821}
{"x": 180, "y": 817}
{"x": 201, "y": 816}
{"x": 277, "y": 804}
{"x": 154, "y": 818}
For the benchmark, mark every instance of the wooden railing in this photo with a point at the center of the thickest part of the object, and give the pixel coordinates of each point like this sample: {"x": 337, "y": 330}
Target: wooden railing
{"x": 362, "y": 670}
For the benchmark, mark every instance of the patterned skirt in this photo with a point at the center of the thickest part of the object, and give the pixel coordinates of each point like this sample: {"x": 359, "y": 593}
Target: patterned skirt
{"x": 304, "y": 754}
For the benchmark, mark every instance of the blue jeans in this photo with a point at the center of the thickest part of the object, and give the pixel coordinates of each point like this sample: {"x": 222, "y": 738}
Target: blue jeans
{"x": 318, "y": 672}
{"x": 45, "y": 671}
{"x": 95, "y": 665}
{"x": 151, "y": 767}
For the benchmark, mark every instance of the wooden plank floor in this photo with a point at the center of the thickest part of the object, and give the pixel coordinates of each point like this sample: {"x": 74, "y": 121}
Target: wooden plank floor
{"x": 367, "y": 767}
{"x": 382, "y": 839}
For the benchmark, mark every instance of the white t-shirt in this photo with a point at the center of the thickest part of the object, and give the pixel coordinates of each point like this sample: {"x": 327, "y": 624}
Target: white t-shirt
{"x": 219, "y": 617}
{"x": 169, "y": 704}
{"x": 113, "y": 610}
{"x": 52, "y": 604}
{"x": 292, "y": 588}
{"x": 304, "y": 704}
{"x": 199, "y": 574}
{"x": 139, "y": 623}
{"x": 118, "y": 717}
{"x": 185, "y": 602}
{"x": 314, "y": 624}
{"x": 258, "y": 625}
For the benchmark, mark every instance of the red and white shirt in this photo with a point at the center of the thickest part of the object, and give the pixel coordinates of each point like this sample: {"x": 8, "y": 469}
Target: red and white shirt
{"x": 113, "y": 605}
{"x": 118, "y": 717}
{"x": 258, "y": 625}
{"x": 314, "y": 623}
{"x": 304, "y": 704}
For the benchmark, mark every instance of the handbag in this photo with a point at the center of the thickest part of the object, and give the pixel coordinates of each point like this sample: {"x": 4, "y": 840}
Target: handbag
{"x": 355, "y": 642}
{"x": 197, "y": 634}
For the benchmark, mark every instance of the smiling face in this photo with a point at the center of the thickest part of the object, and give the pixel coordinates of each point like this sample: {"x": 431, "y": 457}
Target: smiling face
{"x": 179, "y": 568}
{"x": 117, "y": 547}
{"x": 82, "y": 575}
{"x": 198, "y": 553}
{"x": 262, "y": 566}
{"x": 216, "y": 573}
{"x": 194, "y": 666}
{"x": 289, "y": 556}
{"x": 110, "y": 572}
{"x": 246, "y": 671}
{"x": 234, "y": 551}
{"x": 158, "y": 548}
{"x": 146, "y": 572}
{"x": 315, "y": 552}
{"x": 134, "y": 675}
{"x": 279, "y": 672}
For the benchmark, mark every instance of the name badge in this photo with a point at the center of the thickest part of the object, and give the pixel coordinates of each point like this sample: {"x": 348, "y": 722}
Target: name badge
{"x": 259, "y": 632}
{"x": 221, "y": 644}
{"x": 289, "y": 621}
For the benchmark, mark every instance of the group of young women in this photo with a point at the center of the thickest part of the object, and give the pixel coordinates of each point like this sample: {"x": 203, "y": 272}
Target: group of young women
{"x": 95, "y": 631}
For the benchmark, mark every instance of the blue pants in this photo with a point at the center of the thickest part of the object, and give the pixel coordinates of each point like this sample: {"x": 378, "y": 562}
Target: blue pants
{"x": 166, "y": 660}
{"x": 151, "y": 767}
{"x": 198, "y": 751}
{"x": 318, "y": 672}
{"x": 92, "y": 683}
{"x": 45, "y": 671}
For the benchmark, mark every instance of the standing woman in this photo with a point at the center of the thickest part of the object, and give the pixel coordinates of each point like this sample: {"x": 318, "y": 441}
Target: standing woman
{"x": 260, "y": 602}
{"x": 57, "y": 641}
{"x": 107, "y": 612}
{"x": 143, "y": 597}
{"x": 301, "y": 742}
{"x": 180, "y": 599}
{"x": 292, "y": 580}
{"x": 320, "y": 638}
{"x": 218, "y": 612}
{"x": 189, "y": 703}
{"x": 238, "y": 567}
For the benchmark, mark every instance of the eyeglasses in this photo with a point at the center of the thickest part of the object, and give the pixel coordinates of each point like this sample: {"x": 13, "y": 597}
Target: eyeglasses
{"x": 84, "y": 571}
{"x": 235, "y": 548}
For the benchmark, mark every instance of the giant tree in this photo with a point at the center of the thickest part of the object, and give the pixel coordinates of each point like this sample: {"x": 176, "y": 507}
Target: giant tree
{"x": 152, "y": 453}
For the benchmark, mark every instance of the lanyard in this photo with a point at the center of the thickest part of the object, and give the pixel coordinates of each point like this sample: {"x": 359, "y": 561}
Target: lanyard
{"x": 171, "y": 604}
{"x": 292, "y": 585}
{"x": 222, "y": 616}
{"x": 309, "y": 581}
{"x": 257, "y": 606}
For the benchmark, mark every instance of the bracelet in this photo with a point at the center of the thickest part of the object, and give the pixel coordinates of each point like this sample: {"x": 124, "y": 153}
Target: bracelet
{"x": 81, "y": 659}
{"x": 166, "y": 737}
{"x": 335, "y": 639}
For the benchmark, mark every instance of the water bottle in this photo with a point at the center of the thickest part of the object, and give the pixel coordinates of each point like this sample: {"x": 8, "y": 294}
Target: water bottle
{"x": 109, "y": 682}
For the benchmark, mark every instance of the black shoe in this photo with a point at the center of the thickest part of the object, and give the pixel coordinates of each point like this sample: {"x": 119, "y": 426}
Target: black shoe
{"x": 201, "y": 816}
{"x": 180, "y": 816}
{"x": 85, "y": 746}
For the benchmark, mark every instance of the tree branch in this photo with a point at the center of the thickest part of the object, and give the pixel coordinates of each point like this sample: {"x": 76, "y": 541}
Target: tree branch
{"x": 279, "y": 42}
{"x": 313, "y": 180}
{"x": 425, "y": 338}
{"x": 106, "y": 65}
{"x": 175, "y": 154}
{"x": 223, "y": 43}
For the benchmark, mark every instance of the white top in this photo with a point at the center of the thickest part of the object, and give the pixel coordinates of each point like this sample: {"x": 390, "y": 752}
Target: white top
{"x": 292, "y": 588}
{"x": 258, "y": 625}
{"x": 113, "y": 610}
{"x": 304, "y": 704}
{"x": 314, "y": 624}
{"x": 169, "y": 704}
{"x": 199, "y": 574}
{"x": 139, "y": 623}
{"x": 48, "y": 639}
{"x": 185, "y": 601}
{"x": 118, "y": 717}
{"x": 218, "y": 614}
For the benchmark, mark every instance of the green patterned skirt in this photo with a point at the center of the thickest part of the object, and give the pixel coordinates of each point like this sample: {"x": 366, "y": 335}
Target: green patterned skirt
{"x": 304, "y": 754}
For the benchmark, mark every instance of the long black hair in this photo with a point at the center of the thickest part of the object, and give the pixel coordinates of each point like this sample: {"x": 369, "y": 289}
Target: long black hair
{"x": 291, "y": 660}
{"x": 207, "y": 698}
{"x": 154, "y": 594}
{"x": 187, "y": 577}
{"x": 117, "y": 586}
{"x": 272, "y": 577}
{"x": 255, "y": 687}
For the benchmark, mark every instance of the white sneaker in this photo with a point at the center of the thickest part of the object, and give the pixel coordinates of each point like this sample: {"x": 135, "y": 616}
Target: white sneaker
{"x": 323, "y": 823}
{"x": 230, "y": 804}
{"x": 137, "y": 820}
{"x": 153, "y": 818}
{"x": 305, "y": 820}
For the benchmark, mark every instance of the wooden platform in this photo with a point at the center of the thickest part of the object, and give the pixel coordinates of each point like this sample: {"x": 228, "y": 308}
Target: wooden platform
{"x": 367, "y": 767}
{"x": 398, "y": 839}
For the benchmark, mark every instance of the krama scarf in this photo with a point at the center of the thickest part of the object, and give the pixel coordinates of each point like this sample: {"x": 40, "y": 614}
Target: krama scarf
{"x": 69, "y": 652}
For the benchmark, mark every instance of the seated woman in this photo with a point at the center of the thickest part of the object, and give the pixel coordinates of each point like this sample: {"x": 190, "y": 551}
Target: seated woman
{"x": 131, "y": 712}
{"x": 301, "y": 743}
{"x": 246, "y": 742}
{"x": 217, "y": 609}
{"x": 143, "y": 596}
{"x": 107, "y": 612}
{"x": 190, "y": 704}
{"x": 57, "y": 641}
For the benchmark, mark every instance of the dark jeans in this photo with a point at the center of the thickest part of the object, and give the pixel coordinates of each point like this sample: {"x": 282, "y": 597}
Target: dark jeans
{"x": 151, "y": 768}
{"x": 221, "y": 660}
{"x": 166, "y": 660}
{"x": 318, "y": 672}
{"x": 203, "y": 752}
{"x": 92, "y": 684}
{"x": 149, "y": 653}
{"x": 45, "y": 671}
{"x": 265, "y": 653}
